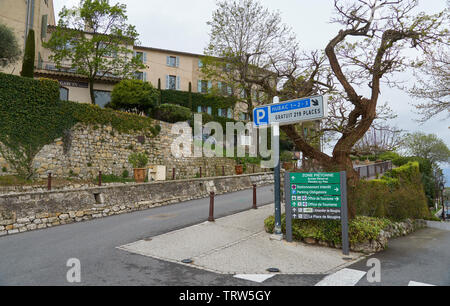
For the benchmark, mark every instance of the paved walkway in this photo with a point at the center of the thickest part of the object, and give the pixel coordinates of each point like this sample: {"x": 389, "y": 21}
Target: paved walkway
{"x": 238, "y": 244}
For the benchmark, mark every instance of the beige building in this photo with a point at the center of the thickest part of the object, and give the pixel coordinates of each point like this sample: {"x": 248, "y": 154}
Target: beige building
{"x": 174, "y": 69}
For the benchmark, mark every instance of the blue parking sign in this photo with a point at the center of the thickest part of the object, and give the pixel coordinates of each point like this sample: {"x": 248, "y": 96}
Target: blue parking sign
{"x": 261, "y": 116}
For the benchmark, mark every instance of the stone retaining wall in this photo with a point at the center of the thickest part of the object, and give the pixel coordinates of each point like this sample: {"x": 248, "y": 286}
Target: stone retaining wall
{"x": 86, "y": 150}
{"x": 38, "y": 210}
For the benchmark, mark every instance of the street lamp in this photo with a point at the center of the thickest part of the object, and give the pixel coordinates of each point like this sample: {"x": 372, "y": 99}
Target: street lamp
{"x": 442, "y": 187}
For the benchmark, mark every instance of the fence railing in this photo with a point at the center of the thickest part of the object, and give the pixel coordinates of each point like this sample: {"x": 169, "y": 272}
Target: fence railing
{"x": 373, "y": 170}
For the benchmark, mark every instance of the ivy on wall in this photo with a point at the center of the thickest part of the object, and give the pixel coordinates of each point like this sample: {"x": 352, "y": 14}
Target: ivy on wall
{"x": 33, "y": 116}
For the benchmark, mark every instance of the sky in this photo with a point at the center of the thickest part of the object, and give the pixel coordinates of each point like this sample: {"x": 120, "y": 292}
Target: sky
{"x": 181, "y": 25}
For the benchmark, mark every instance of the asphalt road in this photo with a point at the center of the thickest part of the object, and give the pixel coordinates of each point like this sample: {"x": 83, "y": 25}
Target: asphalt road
{"x": 422, "y": 257}
{"x": 40, "y": 257}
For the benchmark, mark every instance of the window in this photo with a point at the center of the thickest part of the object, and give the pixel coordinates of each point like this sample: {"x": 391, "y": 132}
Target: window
{"x": 200, "y": 63}
{"x": 205, "y": 109}
{"x": 243, "y": 116}
{"x": 141, "y": 55}
{"x": 173, "y": 61}
{"x": 102, "y": 97}
{"x": 222, "y": 112}
{"x": 173, "y": 82}
{"x": 140, "y": 76}
{"x": 204, "y": 86}
{"x": 63, "y": 94}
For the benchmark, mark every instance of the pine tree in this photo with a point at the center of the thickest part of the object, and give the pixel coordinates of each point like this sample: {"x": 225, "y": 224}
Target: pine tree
{"x": 28, "y": 58}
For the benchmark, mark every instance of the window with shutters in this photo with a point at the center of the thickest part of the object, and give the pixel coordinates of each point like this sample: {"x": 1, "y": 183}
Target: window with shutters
{"x": 142, "y": 56}
{"x": 173, "y": 82}
{"x": 204, "y": 86}
{"x": 44, "y": 26}
{"x": 173, "y": 61}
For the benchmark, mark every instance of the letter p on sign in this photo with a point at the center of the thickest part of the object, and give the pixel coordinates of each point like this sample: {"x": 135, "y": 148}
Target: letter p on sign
{"x": 261, "y": 116}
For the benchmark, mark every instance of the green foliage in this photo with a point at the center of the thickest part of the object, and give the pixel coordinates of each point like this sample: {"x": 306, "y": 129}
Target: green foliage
{"x": 28, "y": 59}
{"x": 9, "y": 49}
{"x": 388, "y": 156}
{"x": 398, "y": 195}
{"x": 125, "y": 174}
{"x": 361, "y": 229}
{"x": 134, "y": 96}
{"x": 172, "y": 113}
{"x": 138, "y": 160}
{"x": 183, "y": 98}
{"x": 111, "y": 178}
{"x": 286, "y": 156}
{"x": 428, "y": 147}
{"x": 31, "y": 117}
{"x": 121, "y": 121}
{"x": 107, "y": 53}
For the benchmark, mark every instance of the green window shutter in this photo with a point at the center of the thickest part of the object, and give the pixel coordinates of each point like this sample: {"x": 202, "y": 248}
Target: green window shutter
{"x": 199, "y": 87}
{"x": 44, "y": 26}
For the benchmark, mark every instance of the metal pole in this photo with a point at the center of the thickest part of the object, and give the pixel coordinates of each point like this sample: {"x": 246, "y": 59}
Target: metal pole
{"x": 277, "y": 178}
{"x": 344, "y": 215}
{"x": 211, "y": 207}
{"x": 254, "y": 197}
{"x": 223, "y": 170}
{"x": 200, "y": 172}
{"x": 49, "y": 181}
{"x": 100, "y": 178}
{"x": 288, "y": 206}
{"x": 173, "y": 174}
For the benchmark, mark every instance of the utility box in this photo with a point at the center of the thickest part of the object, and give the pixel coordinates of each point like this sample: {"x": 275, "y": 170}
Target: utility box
{"x": 157, "y": 173}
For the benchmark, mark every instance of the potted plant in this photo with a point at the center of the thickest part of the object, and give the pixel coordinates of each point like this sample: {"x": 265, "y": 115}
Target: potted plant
{"x": 239, "y": 168}
{"x": 139, "y": 162}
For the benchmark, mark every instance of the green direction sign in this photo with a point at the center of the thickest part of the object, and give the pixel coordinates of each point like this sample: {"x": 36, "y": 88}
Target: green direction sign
{"x": 317, "y": 202}
{"x": 316, "y": 190}
{"x": 315, "y": 178}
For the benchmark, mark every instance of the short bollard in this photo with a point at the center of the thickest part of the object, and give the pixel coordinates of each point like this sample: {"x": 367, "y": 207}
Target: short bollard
{"x": 200, "y": 172}
{"x": 211, "y": 207}
{"x": 223, "y": 170}
{"x": 100, "y": 178}
{"x": 173, "y": 174}
{"x": 254, "y": 197}
{"x": 49, "y": 181}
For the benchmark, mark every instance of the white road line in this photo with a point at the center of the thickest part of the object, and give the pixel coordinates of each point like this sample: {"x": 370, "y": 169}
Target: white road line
{"x": 257, "y": 278}
{"x": 344, "y": 277}
{"x": 417, "y": 284}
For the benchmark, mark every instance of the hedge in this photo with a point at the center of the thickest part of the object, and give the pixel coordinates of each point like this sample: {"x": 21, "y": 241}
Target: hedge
{"x": 398, "y": 195}
{"x": 172, "y": 113}
{"x": 182, "y": 98}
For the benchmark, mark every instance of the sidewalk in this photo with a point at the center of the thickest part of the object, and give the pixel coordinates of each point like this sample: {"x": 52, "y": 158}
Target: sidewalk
{"x": 238, "y": 244}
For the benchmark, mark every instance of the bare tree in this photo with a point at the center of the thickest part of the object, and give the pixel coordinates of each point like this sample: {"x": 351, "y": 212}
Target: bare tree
{"x": 245, "y": 40}
{"x": 366, "y": 51}
{"x": 379, "y": 139}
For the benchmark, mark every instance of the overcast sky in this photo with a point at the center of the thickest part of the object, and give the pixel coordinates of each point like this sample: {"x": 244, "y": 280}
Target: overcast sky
{"x": 181, "y": 25}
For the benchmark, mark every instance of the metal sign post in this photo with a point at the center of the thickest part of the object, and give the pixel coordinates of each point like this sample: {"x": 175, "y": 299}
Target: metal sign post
{"x": 317, "y": 196}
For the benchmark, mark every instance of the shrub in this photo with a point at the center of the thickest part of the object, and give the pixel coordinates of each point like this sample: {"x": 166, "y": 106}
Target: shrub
{"x": 125, "y": 174}
{"x": 172, "y": 113}
{"x": 398, "y": 195}
{"x": 138, "y": 160}
{"x": 9, "y": 49}
{"x": 361, "y": 229}
{"x": 388, "y": 156}
{"x": 134, "y": 95}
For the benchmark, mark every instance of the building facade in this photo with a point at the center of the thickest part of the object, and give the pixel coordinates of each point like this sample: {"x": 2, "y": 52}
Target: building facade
{"x": 174, "y": 70}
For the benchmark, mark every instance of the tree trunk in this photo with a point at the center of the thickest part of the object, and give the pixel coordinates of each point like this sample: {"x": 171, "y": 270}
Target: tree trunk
{"x": 91, "y": 91}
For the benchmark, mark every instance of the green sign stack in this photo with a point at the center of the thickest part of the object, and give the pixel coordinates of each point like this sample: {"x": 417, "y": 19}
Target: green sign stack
{"x": 315, "y": 196}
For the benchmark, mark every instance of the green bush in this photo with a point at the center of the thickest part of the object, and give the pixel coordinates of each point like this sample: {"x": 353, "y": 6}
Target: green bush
{"x": 182, "y": 98}
{"x": 388, "y": 156}
{"x": 398, "y": 195}
{"x": 172, "y": 113}
{"x": 361, "y": 229}
{"x": 138, "y": 160}
{"x": 9, "y": 48}
{"x": 134, "y": 95}
{"x": 111, "y": 178}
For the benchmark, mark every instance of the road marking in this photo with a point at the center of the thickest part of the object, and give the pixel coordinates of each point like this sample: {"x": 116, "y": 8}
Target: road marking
{"x": 417, "y": 284}
{"x": 257, "y": 278}
{"x": 344, "y": 277}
